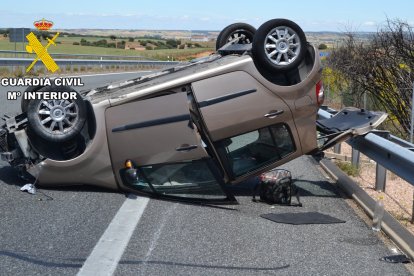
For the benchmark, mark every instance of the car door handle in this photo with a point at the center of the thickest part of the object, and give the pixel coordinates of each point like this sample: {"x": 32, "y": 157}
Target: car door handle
{"x": 186, "y": 147}
{"x": 273, "y": 113}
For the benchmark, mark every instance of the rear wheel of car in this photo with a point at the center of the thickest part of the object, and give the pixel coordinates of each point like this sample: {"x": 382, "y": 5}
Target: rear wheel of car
{"x": 57, "y": 120}
{"x": 240, "y": 33}
{"x": 279, "y": 45}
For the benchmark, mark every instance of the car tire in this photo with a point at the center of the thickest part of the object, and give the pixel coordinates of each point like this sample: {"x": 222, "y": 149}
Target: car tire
{"x": 236, "y": 30}
{"x": 56, "y": 120}
{"x": 279, "y": 45}
{"x": 25, "y": 102}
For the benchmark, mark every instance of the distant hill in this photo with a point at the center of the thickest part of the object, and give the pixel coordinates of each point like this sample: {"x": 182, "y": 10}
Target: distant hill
{"x": 331, "y": 39}
{"x": 165, "y": 34}
{"x": 313, "y": 37}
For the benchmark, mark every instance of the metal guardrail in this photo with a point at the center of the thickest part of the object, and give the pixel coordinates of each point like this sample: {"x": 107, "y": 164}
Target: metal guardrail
{"x": 27, "y": 61}
{"x": 22, "y": 54}
{"x": 390, "y": 153}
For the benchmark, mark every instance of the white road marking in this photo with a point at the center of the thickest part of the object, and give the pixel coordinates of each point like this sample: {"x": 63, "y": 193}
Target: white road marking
{"x": 155, "y": 238}
{"x": 106, "y": 254}
{"x": 157, "y": 234}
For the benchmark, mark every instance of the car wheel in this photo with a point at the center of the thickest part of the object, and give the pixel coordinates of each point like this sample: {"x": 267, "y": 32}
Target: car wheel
{"x": 25, "y": 102}
{"x": 279, "y": 45}
{"x": 57, "y": 120}
{"x": 241, "y": 32}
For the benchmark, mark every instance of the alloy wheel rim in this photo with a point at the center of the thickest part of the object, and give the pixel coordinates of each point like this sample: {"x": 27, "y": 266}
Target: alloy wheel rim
{"x": 282, "y": 45}
{"x": 58, "y": 116}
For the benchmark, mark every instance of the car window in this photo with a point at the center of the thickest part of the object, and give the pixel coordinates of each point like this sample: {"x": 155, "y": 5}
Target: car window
{"x": 250, "y": 151}
{"x": 192, "y": 179}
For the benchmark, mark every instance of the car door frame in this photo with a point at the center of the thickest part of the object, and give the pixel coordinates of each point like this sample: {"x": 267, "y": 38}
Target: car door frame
{"x": 125, "y": 122}
{"x": 241, "y": 89}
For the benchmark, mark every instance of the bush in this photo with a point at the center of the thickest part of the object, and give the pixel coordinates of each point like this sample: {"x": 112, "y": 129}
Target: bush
{"x": 100, "y": 43}
{"x": 149, "y": 48}
{"x": 182, "y": 46}
{"x": 76, "y": 43}
{"x": 84, "y": 42}
{"x": 380, "y": 69}
{"x": 322, "y": 46}
{"x": 131, "y": 39}
{"x": 161, "y": 47}
{"x": 173, "y": 43}
{"x": 348, "y": 168}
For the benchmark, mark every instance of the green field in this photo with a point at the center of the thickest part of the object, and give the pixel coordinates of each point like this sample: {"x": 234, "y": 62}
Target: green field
{"x": 67, "y": 47}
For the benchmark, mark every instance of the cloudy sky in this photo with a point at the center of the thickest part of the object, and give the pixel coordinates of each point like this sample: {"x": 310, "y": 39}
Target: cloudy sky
{"x": 316, "y": 15}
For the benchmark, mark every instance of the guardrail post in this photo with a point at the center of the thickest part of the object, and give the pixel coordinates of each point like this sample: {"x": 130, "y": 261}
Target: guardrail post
{"x": 355, "y": 158}
{"x": 337, "y": 148}
{"x": 380, "y": 178}
{"x": 412, "y": 212}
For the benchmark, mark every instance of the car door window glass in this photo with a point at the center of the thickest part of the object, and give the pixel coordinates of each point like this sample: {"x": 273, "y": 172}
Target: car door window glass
{"x": 253, "y": 150}
{"x": 192, "y": 179}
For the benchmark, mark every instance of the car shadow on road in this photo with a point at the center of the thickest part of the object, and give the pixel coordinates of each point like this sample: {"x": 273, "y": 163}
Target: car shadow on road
{"x": 37, "y": 261}
{"x": 80, "y": 188}
{"x": 10, "y": 176}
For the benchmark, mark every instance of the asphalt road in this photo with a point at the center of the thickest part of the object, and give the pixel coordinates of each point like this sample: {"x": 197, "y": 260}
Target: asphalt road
{"x": 55, "y": 231}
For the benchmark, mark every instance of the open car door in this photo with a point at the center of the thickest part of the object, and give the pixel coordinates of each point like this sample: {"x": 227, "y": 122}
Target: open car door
{"x": 347, "y": 123}
{"x": 251, "y": 128}
{"x": 156, "y": 149}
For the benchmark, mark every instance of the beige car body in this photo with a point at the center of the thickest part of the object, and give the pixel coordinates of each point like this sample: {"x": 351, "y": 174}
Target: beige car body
{"x": 100, "y": 162}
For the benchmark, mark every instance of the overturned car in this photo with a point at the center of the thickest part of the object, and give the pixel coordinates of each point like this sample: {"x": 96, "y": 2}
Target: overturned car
{"x": 185, "y": 131}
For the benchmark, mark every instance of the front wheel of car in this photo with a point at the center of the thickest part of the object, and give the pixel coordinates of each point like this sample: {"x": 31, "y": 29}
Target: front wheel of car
{"x": 57, "y": 120}
{"x": 279, "y": 45}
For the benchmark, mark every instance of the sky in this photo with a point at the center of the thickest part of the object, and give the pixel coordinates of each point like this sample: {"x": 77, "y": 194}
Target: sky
{"x": 316, "y": 15}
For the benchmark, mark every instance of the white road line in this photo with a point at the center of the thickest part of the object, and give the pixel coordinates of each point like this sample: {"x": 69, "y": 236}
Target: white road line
{"x": 106, "y": 254}
{"x": 157, "y": 234}
{"x": 155, "y": 238}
